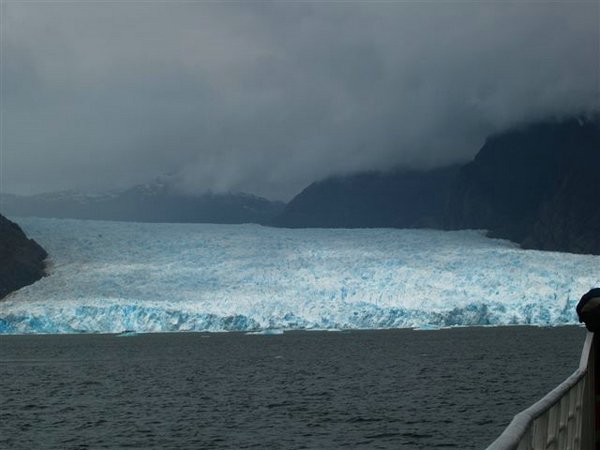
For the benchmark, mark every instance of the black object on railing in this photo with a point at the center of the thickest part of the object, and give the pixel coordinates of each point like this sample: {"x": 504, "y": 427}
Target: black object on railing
{"x": 588, "y": 310}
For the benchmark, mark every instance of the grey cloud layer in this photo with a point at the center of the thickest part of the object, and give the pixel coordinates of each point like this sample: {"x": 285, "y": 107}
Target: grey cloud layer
{"x": 267, "y": 97}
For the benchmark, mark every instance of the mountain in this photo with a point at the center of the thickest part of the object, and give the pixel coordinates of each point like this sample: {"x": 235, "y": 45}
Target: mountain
{"x": 402, "y": 199}
{"x": 157, "y": 202}
{"x": 22, "y": 259}
{"x": 536, "y": 185}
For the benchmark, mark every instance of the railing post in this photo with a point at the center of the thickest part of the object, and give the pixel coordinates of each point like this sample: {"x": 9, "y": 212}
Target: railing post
{"x": 590, "y": 413}
{"x": 594, "y": 377}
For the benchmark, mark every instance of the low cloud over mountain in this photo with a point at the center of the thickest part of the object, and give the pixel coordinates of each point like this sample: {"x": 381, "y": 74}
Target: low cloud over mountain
{"x": 268, "y": 97}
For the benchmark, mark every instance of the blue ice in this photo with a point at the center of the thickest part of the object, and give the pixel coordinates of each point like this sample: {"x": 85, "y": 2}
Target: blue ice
{"x": 108, "y": 277}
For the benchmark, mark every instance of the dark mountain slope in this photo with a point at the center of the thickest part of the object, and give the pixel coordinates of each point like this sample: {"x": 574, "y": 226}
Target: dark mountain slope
{"x": 536, "y": 185}
{"x": 21, "y": 259}
{"x": 407, "y": 199}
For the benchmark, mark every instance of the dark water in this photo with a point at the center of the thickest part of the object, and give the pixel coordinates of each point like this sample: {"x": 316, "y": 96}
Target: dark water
{"x": 370, "y": 389}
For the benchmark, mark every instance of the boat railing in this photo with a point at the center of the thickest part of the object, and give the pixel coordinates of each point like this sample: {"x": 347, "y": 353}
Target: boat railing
{"x": 563, "y": 419}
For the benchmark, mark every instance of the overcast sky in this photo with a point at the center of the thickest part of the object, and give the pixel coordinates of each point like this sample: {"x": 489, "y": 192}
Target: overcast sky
{"x": 266, "y": 97}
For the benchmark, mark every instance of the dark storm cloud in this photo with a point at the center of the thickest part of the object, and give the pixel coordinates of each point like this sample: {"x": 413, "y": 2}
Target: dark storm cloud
{"x": 267, "y": 97}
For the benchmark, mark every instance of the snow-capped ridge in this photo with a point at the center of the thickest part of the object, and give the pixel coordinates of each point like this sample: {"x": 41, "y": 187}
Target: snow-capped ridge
{"x": 158, "y": 201}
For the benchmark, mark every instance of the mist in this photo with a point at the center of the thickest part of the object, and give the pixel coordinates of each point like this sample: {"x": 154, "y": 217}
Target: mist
{"x": 267, "y": 97}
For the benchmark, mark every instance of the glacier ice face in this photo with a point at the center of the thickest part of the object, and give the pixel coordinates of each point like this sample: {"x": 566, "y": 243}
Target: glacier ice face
{"x": 110, "y": 277}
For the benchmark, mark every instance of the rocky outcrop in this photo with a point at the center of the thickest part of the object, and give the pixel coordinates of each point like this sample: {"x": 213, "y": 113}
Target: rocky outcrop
{"x": 22, "y": 259}
{"x": 403, "y": 199}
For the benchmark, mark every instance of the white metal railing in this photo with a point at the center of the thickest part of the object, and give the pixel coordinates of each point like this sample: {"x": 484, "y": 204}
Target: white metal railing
{"x": 564, "y": 419}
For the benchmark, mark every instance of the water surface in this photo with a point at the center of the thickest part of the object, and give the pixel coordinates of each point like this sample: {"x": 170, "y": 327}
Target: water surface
{"x": 455, "y": 388}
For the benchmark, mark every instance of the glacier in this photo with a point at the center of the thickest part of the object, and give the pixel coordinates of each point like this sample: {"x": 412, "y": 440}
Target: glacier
{"x": 107, "y": 277}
